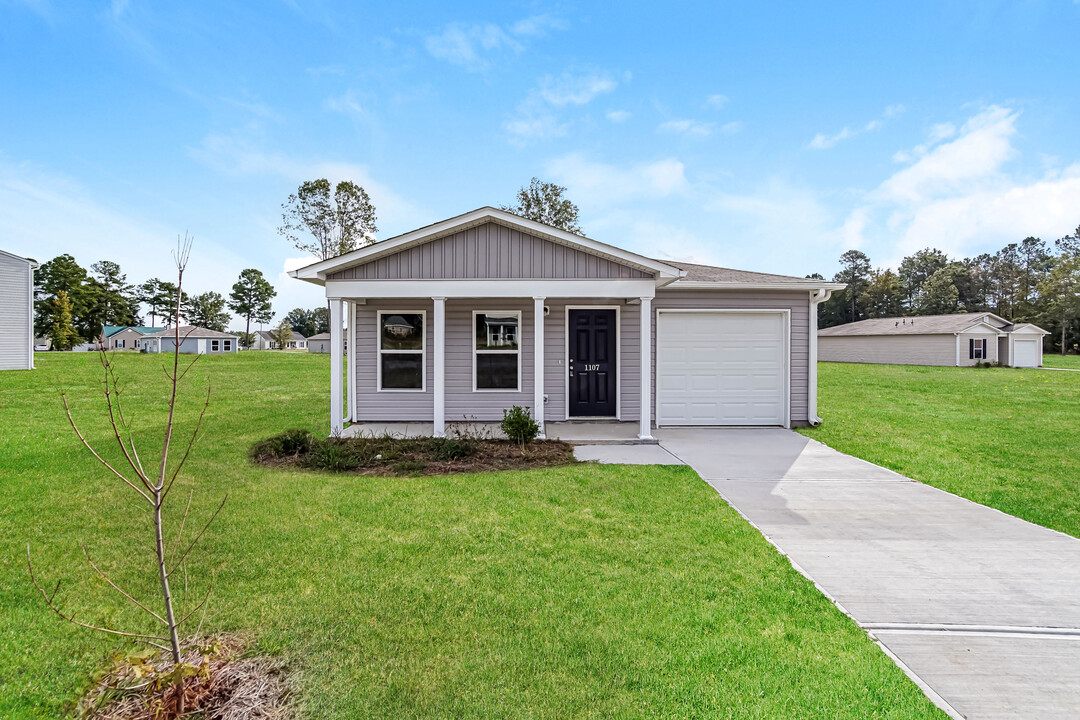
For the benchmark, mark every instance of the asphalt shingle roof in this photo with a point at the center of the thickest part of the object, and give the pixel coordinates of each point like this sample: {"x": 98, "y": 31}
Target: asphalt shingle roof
{"x": 920, "y": 325}
{"x": 189, "y": 331}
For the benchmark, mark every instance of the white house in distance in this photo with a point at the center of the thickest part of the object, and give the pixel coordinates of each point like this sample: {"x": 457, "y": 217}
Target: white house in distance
{"x": 959, "y": 339}
{"x": 193, "y": 341}
{"x": 16, "y": 312}
{"x": 264, "y": 341}
{"x": 485, "y": 310}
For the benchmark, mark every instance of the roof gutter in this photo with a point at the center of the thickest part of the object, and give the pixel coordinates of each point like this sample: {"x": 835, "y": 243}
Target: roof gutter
{"x": 727, "y": 285}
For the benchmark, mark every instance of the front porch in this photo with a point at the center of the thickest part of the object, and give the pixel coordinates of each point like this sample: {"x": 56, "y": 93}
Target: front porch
{"x": 575, "y": 433}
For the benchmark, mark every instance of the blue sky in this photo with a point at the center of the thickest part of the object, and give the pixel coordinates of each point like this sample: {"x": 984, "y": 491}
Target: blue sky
{"x": 763, "y": 136}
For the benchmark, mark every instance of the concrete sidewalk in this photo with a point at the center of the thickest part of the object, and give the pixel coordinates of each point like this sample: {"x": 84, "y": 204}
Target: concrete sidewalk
{"x": 980, "y": 608}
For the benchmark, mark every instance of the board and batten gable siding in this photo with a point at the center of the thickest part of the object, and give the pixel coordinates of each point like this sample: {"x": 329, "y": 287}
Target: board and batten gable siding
{"x": 890, "y": 349}
{"x": 462, "y": 403}
{"x": 489, "y": 251}
{"x": 16, "y": 316}
{"x": 797, "y": 302}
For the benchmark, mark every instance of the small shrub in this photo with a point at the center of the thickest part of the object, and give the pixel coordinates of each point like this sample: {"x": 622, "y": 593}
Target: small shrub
{"x": 333, "y": 455}
{"x": 519, "y": 426}
{"x": 451, "y": 448}
{"x": 290, "y": 443}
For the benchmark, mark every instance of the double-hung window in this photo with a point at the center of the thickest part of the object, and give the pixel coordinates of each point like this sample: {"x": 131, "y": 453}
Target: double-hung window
{"x": 496, "y": 350}
{"x": 228, "y": 345}
{"x": 215, "y": 346}
{"x": 402, "y": 350}
{"x": 976, "y": 349}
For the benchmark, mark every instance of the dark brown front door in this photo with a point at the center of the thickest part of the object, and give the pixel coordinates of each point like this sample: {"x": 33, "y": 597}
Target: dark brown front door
{"x": 592, "y": 370}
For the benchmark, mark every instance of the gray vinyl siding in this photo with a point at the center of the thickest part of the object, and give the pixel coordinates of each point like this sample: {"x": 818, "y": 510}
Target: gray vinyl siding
{"x": 488, "y": 251}
{"x": 890, "y": 349}
{"x": 16, "y": 316}
{"x": 319, "y": 346}
{"x": 798, "y": 302}
{"x": 193, "y": 346}
{"x": 461, "y": 401}
{"x": 991, "y": 348}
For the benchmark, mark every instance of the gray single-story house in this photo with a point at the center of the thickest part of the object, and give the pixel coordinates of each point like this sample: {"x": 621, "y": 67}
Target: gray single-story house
{"x": 16, "y": 312}
{"x": 471, "y": 315}
{"x": 119, "y": 337}
{"x": 959, "y": 339}
{"x": 264, "y": 341}
{"x": 319, "y": 343}
{"x": 193, "y": 341}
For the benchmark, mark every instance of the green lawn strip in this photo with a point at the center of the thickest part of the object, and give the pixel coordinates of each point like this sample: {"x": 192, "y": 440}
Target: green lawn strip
{"x": 585, "y": 591}
{"x": 1002, "y": 437}
{"x": 1062, "y": 361}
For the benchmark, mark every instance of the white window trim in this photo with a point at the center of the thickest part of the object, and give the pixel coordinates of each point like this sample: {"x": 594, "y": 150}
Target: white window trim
{"x": 422, "y": 351}
{"x": 518, "y": 352}
{"x": 215, "y": 345}
{"x": 566, "y": 361}
{"x": 227, "y": 346}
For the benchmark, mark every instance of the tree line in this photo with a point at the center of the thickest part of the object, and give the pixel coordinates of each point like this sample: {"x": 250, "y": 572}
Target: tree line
{"x": 1029, "y": 281}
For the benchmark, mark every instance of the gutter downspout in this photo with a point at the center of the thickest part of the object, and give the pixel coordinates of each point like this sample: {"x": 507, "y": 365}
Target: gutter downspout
{"x": 816, "y": 297}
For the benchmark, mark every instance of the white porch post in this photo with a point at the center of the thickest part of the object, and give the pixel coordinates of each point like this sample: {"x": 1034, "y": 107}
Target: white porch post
{"x": 538, "y": 362}
{"x": 440, "y": 367}
{"x": 645, "y": 433}
{"x": 336, "y": 349}
{"x": 350, "y": 347}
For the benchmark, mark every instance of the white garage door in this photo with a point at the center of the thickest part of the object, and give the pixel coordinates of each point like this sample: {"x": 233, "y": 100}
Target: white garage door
{"x": 1025, "y": 353}
{"x": 721, "y": 368}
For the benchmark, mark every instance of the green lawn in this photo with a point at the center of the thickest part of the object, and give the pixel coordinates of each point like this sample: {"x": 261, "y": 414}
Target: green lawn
{"x": 1007, "y": 438}
{"x": 586, "y": 591}
{"x": 1062, "y": 361}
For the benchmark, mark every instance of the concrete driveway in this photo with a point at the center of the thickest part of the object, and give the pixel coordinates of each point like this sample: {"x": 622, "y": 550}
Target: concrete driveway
{"x": 980, "y": 608}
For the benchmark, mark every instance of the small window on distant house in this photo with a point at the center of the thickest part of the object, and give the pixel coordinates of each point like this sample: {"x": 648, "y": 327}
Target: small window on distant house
{"x": 215, "y": 346}
{"x": 977, "y": 349}
{"x": 497, "y": 355}
{"x": 228, "y": 345}
{"x": 119, "y": 344}
{"x": 401, "y": 350}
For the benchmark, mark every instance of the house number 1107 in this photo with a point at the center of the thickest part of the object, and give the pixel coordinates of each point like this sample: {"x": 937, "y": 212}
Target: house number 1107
{"x": 589, "y": 368}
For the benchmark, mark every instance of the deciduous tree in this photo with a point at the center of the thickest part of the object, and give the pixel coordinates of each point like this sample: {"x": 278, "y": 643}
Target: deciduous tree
{"x": 282, "y": 334}
{"x": 546, "y": 203}
{"x": 250, "y": 297}
{"x": 61, "y": 332}
{"x": 207, "y": 310}
{"x": 327, "y": 225}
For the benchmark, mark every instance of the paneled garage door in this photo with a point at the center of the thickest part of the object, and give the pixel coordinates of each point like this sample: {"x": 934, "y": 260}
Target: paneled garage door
{"x": 1026, "y": 353}
{"x": 722, "y": 368}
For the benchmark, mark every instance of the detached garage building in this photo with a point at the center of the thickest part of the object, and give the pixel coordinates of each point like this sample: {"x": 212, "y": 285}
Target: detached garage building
{"x": 960, "y": 339}
{"x": 471, "y": 315}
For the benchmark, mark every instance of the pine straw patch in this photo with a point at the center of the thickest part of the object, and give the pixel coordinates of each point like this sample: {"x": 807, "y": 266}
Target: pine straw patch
{"x": 229, "y": 686}
{"x": 395, "y": 456}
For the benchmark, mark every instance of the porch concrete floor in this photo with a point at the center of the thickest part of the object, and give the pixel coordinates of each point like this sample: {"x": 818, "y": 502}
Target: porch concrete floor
{"x": 575, "y": 433}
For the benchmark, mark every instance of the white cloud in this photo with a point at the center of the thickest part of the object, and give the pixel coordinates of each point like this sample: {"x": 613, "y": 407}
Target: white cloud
{"x": 687, "y": 128}
{"x": 826, "y": 141}
{"x": 571, "y": 89}
{"x": 536, "y": 116}
{"x": 960, "y": 196}
{"x": 731, "y": 128}
{"x": 716, "y": 101}
{"x": 617, "y": 116}
{"x": 597, "y": 184}
{"x": 476, "y": 46}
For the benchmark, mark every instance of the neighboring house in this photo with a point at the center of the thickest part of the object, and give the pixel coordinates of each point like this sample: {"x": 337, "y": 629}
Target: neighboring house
{"x": 16, "y": 312}
{"x": 319, "y": 343}
{"x": 119, "y": 337}
{"x": 959, "y": 339}
{"x": 486, "y": 310}
{"x": 193, "y": 340}
{"x": 264, "y": 341}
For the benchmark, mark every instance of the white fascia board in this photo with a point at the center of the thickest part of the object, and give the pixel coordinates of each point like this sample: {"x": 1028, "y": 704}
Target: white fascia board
{"x": 1028, "y": 329}
{"x": 975, "y": 329}
{"x": 316, "y": 272}
{"x": 797, "y": 286}
{"x": 591, "y": 288}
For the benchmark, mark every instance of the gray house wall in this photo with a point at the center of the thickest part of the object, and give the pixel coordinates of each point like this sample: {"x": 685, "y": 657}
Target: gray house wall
{"x": 193, "y": 346}
{"x": 889, "y": 349}
{"x": 991, "y": 348}
{"x": 488, "y": 251}
{"x": 16, "y": 315}
{"x": 463, "y": 402}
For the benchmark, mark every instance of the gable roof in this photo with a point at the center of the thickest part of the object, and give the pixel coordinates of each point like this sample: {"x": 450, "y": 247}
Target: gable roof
{"x": 110, "y": 330}
{"x": 921, "y": 325}
{"x": 320, "y": 336}
{"x": 191, "y": 331}
{"x": 317, "y": 271}
{"x": 32, "y": 263}
{"x": 265, "y": 335}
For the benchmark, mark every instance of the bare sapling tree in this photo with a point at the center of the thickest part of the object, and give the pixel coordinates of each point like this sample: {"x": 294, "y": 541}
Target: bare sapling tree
{"x": 153, "y": 487}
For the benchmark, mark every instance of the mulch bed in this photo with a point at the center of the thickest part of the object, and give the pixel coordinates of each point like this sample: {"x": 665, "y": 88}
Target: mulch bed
{"x": 392, "y": 456}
